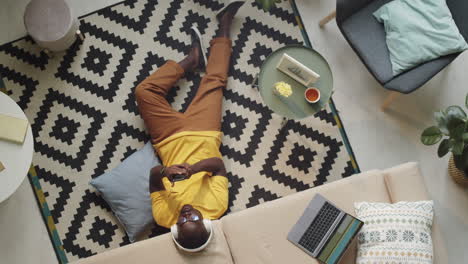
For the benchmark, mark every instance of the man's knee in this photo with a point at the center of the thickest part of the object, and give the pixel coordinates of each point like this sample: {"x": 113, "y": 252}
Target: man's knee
{"x": 144, "y": 92}
{"x": 214, "y": 82}
{"x": 139, "y": 92}
{"x": 149, "y": 90}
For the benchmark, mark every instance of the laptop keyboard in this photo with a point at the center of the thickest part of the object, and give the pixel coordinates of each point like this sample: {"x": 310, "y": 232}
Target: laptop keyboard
{"x": 319, "y": 227}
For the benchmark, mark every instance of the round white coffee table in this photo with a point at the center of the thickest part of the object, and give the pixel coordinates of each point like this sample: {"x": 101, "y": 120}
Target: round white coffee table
{"x": 16, "y": 158}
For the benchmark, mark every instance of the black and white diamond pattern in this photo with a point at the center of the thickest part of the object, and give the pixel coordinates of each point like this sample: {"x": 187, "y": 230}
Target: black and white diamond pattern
{"x": 64, "y": 129}
{"x": 96, "y": 60}
{"x": 96, "y": 76}
{"x": 102, "y": 231}
{"x": 233, "y": 125}
{"x": 85, "y": 120}
{"x": 90, "y": 121}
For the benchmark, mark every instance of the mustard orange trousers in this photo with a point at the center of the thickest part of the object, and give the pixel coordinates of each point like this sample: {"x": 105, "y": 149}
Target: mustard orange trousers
{"x": 203, "y": 113}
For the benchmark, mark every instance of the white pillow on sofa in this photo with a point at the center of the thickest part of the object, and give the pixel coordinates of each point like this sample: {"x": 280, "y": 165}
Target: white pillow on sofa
{"x": 395, "y": 233}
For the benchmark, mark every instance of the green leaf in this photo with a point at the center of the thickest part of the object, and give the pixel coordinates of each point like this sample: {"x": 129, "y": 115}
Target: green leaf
{"x": 457, "y": 132}
{"x": 442, "y": 121}
{"x": 261, "y": 3}
{"x": 461, "y": 161}
{"x": 455, "y": 117}
{"x": 444, "y": 148}
{"x": 465, "y": 137}
{"x": 458, "y": 147}
{"x": 466, "y": 101}
{"x": 455, "y": 111}
{"x": 453, "y": 123}
{"x": 266, "y": 4}
{"x": 431, "y": 136}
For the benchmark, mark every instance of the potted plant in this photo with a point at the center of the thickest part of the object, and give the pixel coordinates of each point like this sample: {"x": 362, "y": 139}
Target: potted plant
{"x": 452, "y": 133}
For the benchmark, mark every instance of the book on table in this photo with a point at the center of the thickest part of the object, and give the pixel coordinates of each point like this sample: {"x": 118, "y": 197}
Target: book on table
{"x": 13, "y": 129}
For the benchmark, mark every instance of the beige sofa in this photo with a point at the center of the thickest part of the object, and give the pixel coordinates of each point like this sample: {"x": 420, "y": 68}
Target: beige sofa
{"x": 258, "y": 234}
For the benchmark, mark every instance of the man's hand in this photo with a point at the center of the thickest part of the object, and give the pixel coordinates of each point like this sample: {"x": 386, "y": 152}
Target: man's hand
{"x": 155, "y": 182}
{"x": 184, "y": 169}
{"x": 159, "y": 172}
{"x": 188, "y": 168}
{"x": 173, "y": 170}
{"x": 213, "y": 165}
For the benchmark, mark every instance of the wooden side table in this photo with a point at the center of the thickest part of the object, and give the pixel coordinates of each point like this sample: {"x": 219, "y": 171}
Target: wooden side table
{"x": 52, "y": 24}
{"x": 15, "y": 157}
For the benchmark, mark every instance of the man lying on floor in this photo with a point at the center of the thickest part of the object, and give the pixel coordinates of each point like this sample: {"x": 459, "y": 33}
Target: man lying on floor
{"x": 188, "y": 143}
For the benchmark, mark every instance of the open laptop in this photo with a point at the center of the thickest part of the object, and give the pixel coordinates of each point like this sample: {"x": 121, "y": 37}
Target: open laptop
{"x": 324, "y": 231}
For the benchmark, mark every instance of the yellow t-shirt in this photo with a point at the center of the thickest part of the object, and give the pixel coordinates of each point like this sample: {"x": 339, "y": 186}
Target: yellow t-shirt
{"x": 207, "y": 194}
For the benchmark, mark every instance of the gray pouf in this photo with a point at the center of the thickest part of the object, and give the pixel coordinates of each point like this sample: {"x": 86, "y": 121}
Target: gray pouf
{"x": 51, "y": 23}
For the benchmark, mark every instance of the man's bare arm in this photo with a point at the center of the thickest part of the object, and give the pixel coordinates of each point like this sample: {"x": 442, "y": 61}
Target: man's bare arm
{"x": 213, "y": 165}
{"x": 159, "y": 172}
{"x": 156, "y": 177}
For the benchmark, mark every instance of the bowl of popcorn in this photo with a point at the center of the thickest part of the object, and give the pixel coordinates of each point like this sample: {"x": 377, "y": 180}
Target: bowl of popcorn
{"x": 282, "y": 89}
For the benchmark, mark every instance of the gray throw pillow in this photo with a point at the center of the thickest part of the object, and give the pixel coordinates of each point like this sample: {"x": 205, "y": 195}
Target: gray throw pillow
{"x": 126, "y": 190}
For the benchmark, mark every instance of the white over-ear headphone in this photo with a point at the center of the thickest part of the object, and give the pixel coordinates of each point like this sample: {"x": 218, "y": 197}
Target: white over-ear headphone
{"x": 209, "y": 228}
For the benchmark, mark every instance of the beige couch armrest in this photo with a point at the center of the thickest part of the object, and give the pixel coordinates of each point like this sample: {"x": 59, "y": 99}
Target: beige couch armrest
{"x": 405, "y": 183}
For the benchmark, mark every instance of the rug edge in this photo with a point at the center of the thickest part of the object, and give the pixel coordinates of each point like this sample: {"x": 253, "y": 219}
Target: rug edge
{"x": 43, "y": 206}
{"x": 46, "y": 215}
{"x": 339, "y": 122}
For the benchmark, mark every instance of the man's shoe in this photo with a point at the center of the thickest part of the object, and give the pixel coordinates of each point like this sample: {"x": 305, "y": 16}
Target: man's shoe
{"x": 232, "y": 5}
{"x": 197, "y": 38}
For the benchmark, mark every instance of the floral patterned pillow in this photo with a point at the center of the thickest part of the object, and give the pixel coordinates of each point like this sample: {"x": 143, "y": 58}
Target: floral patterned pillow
{"x": 395, "y": 233}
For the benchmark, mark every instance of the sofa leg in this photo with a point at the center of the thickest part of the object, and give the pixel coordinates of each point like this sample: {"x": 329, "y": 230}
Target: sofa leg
{"x": 327, "y": 19}
{"x": 390, "y": 98}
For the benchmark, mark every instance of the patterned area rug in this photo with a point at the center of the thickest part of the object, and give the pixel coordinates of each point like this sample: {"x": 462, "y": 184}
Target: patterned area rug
{"x": 85, "y": 120}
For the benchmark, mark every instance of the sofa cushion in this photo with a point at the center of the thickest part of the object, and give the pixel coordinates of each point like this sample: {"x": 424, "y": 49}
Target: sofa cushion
{"x": 400, "y": 232}
{"x": 418, "y": 31}
{"x": 401, "y": 181}
{"x": 126, "y": 190}
{"x": 405, "y": 183}
{"x": 367, "y": 37}
{"x": 258, "y": 234}
{"x": 161, "y": 249}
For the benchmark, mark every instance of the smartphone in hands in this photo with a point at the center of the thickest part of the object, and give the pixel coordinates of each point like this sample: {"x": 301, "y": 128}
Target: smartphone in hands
{"x": 178, "y": 177}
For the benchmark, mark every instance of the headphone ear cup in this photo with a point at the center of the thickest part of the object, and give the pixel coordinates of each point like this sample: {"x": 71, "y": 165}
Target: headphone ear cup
{"x": 174, "y": 231}
{"x": 207, "y": 224}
